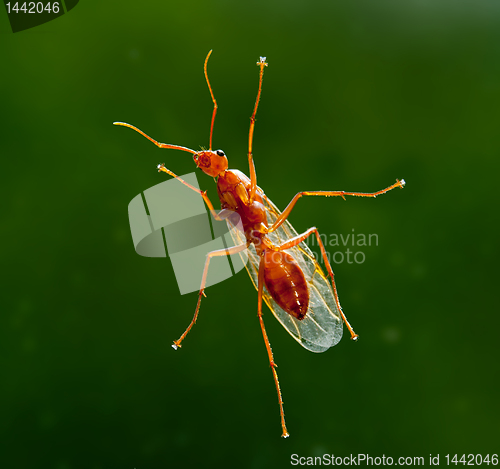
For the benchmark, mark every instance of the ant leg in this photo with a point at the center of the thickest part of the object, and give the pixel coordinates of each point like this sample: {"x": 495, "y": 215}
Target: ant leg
{"x": 253, "y": 176}
{"x": 290, "y": 206}
{"x": 297, "y": 240}
{"x": 268, "y": 346}
{"x": 161, "y": 168}
{"x": 218, "y": 253}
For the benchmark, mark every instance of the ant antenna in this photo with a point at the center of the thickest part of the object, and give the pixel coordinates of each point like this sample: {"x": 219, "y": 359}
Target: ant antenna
{"x": 158, "y": 144}
{"x": 213, "y": 99}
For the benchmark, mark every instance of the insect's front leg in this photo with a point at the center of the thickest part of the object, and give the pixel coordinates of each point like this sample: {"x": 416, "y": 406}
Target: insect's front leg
{"x": 162, "y": 168}
{"x": 297, "y": 240}
{"x": 218, "y": 253}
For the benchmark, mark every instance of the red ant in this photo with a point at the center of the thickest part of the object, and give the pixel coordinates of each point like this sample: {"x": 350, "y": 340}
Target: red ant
{"x": 281, "y": 265}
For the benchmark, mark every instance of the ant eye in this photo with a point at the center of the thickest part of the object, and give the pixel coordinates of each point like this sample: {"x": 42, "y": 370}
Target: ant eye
{"x": 220, "y": 153}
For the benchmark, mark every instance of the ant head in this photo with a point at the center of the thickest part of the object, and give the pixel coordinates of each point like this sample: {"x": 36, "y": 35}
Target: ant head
{"x": 211, "y": 162}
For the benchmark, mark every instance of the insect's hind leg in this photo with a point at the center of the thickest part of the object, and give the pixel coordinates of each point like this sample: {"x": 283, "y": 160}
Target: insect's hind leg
{"x": 297, "y": 240}
{"x": 218, "y": 253}
{"x": 285, "y": 433}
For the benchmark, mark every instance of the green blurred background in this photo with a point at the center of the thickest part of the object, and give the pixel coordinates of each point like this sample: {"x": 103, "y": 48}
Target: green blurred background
{"x": 357, "y": 93}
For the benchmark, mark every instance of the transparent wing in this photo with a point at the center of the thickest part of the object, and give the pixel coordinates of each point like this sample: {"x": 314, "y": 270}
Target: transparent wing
{"x": 322, "y": 327}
